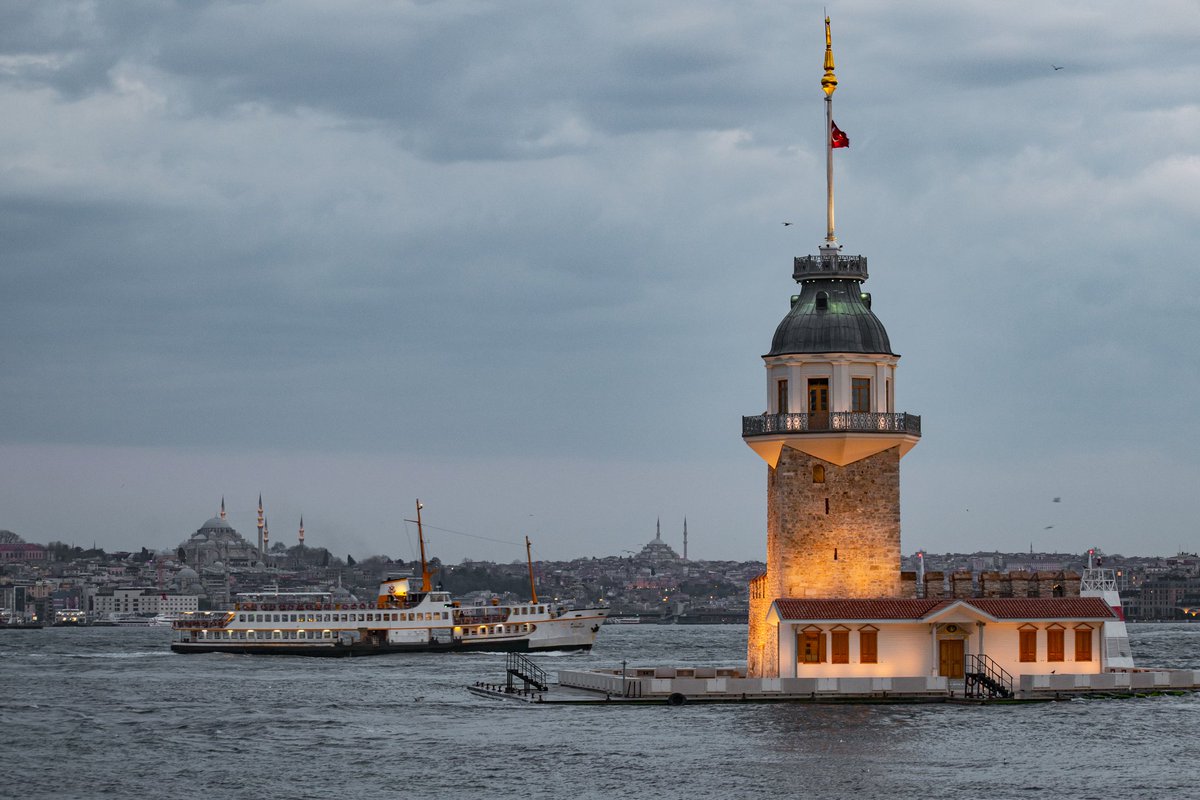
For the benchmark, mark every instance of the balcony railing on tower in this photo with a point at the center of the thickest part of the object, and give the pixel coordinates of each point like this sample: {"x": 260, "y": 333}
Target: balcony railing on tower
{"x": 832, "y": 421}
{"x": 832, "y": 265}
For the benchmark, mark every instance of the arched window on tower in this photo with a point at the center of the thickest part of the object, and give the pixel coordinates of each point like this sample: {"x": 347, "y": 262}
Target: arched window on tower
{"x": 822, "y": 301}
{"x": 818, "y": 473}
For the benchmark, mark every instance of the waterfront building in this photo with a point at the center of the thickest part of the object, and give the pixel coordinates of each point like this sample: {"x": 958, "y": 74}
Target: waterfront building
{"x": 833, "y": 601}
{"x": 140, "y": 600}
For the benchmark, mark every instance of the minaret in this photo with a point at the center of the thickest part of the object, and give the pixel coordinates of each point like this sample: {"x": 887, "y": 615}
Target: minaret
{"x": 222, "y": 507}
{"x": 831, "y": 436}
{"x": 685, "y": 538}
{"x": 266, "y": 535}
{"x": 261, "y": 526}
{"x": 302, "y": 530}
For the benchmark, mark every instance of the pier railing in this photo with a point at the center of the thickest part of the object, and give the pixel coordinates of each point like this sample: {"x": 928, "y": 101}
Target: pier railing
{"x": 832, "y": 421}
{"x": 986, "y": 678}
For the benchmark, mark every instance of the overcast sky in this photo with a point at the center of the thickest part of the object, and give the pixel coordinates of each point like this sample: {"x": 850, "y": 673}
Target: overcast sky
{"x": 521, "y": 260}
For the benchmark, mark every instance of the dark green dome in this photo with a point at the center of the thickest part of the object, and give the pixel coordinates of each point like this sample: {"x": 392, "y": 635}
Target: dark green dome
{"x": 830, "y": 316}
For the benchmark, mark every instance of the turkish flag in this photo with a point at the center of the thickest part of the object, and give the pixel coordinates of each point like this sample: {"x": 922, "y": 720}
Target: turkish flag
{"x": 837, "y": 137}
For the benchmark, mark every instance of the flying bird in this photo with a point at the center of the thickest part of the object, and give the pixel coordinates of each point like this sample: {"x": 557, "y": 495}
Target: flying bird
{"x": 786, "y": 224}
{"x": 1048, "y": 527}
{"x": 1056, "y": 500}
{"x": 1056, "y": 68}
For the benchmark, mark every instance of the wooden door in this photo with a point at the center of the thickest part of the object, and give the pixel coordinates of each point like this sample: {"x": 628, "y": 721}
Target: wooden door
{"x": 818, "y": 403}
{"x": 950, "y": 658}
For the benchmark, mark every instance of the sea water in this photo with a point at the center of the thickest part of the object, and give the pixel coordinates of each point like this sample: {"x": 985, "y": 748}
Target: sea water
{"x": 110, "y": 712}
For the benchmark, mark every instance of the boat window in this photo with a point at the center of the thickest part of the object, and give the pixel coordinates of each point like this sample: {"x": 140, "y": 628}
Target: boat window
{"x": 445, "y": 615}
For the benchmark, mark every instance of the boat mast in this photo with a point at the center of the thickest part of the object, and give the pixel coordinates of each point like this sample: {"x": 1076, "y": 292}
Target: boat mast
{"x": 425, "y": 576}
{"x": 529, "y": 561}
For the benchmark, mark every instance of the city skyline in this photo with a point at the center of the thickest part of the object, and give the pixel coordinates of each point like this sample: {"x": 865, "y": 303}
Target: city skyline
{"x": 522, "y": 261}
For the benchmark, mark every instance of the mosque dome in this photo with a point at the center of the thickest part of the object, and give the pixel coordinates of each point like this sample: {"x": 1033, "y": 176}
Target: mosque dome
{"x": 187, "y": 575}
{"x": 830, "y": 316}
{"x": 216, "y": 523}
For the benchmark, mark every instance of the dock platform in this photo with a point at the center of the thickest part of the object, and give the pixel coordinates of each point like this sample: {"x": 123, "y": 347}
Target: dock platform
{"x": 683, "y": 685}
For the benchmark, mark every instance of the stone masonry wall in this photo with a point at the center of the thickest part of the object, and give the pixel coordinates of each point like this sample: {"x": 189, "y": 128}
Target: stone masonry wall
{"x": 836, "y": 539}
{"x": 762, "y": 644}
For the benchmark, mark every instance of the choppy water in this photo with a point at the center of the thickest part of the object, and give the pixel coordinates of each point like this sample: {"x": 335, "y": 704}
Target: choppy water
{"x": 88, "y": 713}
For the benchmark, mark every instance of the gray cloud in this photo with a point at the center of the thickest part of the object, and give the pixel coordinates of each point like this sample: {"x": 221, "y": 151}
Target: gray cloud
{"x": 505, "y": 236}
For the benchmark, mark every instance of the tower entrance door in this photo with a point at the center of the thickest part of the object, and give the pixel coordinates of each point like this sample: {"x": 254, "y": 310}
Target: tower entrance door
{"x": 950, "y": 658}
{"x": 818, "y": 403}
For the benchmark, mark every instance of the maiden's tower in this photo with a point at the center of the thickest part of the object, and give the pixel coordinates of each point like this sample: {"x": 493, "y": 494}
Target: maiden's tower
{"x": 831, "y": 435}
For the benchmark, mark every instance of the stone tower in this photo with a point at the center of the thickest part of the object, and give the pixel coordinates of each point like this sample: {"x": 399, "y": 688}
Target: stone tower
{"x": 831, "y": 438}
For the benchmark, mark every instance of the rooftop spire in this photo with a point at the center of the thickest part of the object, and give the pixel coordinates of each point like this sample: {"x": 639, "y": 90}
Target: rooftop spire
{"x": 829, "y": 82}
{"x": 222, "y": 506}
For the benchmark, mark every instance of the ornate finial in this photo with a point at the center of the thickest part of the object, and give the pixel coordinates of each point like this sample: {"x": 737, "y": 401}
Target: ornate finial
{"x": 829, "y": 81}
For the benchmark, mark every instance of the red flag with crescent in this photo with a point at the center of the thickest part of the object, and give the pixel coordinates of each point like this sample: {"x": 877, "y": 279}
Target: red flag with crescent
{"x": 837, "y": 137}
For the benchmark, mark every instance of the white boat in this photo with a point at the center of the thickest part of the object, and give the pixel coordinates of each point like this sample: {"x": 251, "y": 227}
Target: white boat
{"x": 407, "y": 615}
{"x": 129, "y": 620}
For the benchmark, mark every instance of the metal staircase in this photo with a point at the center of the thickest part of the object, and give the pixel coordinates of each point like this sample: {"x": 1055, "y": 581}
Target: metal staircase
{"x": 519, "y": 666}
{"x": 985, "y": 679}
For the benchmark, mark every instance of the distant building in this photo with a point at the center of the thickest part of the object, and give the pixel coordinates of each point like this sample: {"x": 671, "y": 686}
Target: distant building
{"x": 21, "y": 553}
{"x": 217, "y": 541}
{"x": 657, "y": 551}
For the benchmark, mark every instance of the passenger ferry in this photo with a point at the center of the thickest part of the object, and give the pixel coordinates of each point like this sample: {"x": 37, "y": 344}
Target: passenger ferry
{"x": 406, "y": 616}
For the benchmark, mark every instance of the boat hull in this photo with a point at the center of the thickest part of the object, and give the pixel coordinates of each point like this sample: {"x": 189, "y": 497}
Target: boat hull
{"x": 358, "y": 649}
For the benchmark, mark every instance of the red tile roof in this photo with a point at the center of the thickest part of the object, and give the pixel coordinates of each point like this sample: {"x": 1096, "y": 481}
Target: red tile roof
{"x": 1042, "y": 607}
{"x": 876, "y": 608}
{"x": 915, "y": 609}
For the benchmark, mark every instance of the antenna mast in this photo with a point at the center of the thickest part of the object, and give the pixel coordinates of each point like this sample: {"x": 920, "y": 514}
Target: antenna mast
{"x": 425, "y": 576}
{"x": 529, "y": 561}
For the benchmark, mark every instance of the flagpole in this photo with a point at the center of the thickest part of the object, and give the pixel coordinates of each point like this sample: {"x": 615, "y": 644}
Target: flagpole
{"x": 829, "y": 234}
{"x": 829, "y": 86}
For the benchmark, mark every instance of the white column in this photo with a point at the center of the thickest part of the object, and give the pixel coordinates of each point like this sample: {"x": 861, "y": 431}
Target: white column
{"x": 879, "y": 390}
{"x": 839, "y": 388}
{"x": 933, "y": 648}
{"x": 786, "y": 635}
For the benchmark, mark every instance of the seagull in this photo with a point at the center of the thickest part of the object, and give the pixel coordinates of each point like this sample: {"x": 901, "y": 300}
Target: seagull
{"x": 786, "y": 224}
{"x": 1056, "y": 68}
{"x": 1048, "y": 527}
{"x": 1056, "y": 500}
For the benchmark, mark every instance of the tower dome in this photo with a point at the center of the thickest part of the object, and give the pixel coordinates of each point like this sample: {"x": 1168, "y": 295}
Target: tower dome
{"x": 830, "y": 316}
